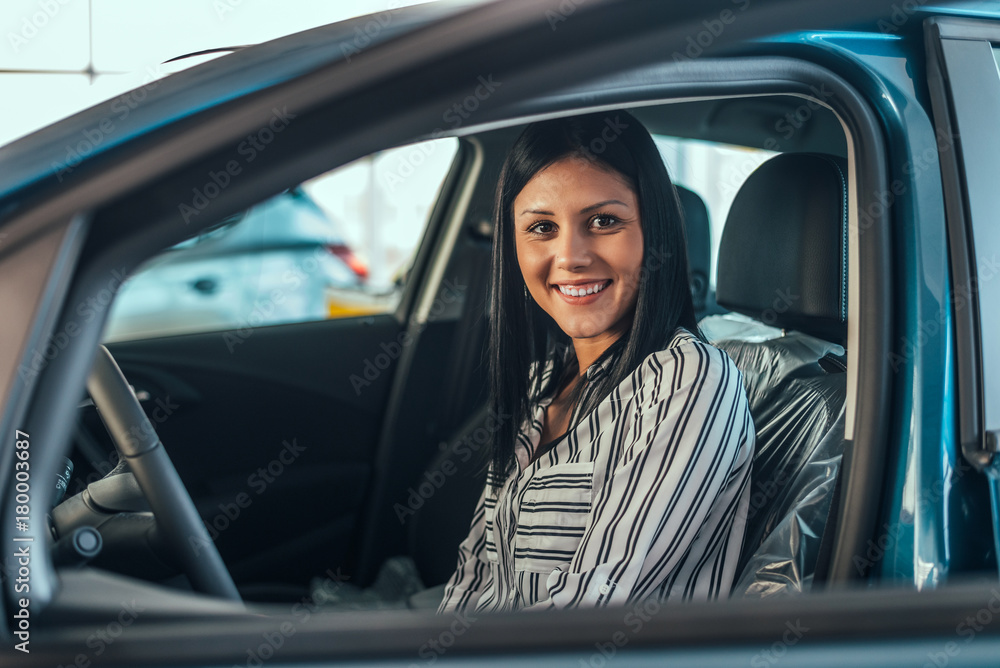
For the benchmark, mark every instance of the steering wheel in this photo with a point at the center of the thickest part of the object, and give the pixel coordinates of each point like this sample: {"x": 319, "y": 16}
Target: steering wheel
{"x": 138, "y": 445}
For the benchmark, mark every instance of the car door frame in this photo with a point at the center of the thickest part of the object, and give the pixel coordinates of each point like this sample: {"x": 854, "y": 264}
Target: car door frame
{"x": 964, "y": 85}
{"x": 56, "y": 391}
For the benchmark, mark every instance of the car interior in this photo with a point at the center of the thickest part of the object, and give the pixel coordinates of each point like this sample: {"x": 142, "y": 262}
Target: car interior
{"x": 296, "y": 472}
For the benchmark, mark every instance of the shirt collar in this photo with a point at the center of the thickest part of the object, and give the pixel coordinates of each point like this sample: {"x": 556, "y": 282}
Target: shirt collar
{"x": 599, "y": 368}
{"x": 602, "y": 366}
{"x": 531, "y": 434}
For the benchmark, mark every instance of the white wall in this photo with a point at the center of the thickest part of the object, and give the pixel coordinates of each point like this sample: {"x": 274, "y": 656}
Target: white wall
{"x": 60, "y": 56}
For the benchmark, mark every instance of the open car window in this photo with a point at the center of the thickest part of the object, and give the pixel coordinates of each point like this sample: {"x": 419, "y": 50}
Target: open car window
{"x": 338, "y": 245}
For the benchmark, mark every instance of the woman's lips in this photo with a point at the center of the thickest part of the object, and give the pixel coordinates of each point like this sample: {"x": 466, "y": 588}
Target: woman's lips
{"x": 595, "y": 289}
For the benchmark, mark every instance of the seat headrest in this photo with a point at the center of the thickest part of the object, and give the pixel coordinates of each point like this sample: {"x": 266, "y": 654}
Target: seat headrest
{"x": 783, "y": 254}
{"x": 699, "y": 244}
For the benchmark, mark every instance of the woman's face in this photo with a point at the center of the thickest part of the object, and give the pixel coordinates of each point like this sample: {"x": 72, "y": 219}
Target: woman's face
{"x": 579, "y": 246}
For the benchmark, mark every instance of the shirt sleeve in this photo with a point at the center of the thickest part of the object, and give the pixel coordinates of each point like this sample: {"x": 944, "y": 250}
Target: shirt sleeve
{"x": 689, "y": 439}
{"x": 472, "y": 574}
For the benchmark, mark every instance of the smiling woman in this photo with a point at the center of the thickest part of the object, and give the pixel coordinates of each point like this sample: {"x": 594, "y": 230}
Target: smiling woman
{"x": 624, "y": 473}
{"x": 579, "y": 244}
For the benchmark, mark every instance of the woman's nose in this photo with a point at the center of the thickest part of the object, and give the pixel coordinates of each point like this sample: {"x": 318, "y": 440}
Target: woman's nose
{"x": 572, "y": 251}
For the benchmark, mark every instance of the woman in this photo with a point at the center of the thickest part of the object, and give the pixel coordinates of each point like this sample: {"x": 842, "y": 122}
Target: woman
{"x": 625, "y": 468}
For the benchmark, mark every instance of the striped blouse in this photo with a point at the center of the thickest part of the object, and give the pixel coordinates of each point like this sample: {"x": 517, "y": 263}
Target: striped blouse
{"x": 646, "y": 497}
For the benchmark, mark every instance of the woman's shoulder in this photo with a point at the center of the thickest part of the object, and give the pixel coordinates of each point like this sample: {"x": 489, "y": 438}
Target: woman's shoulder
{"x": 684, "y": 342}
{"x": 690, "y": 355}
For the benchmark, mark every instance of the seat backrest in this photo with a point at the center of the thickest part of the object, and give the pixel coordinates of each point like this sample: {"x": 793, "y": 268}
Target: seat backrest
{"x": 783, "y": 265}
{"x": 698, "y": 231}
{"x": 444, "y": 499}
{"x": 796, "y": 393}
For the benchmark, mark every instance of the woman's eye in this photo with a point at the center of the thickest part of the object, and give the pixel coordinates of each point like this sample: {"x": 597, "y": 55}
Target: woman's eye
{"x": 542, "y": 227}
{"x": 603, "y": 221}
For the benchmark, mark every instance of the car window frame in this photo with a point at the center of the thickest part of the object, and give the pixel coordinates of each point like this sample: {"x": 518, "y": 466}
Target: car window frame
{"x": 962, "y": 67}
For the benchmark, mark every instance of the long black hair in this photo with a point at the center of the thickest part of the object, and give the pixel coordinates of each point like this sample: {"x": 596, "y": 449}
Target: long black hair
{"x": 521, "y": 334}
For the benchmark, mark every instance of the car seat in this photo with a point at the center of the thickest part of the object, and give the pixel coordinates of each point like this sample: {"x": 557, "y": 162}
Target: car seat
{"x": 698, "y": 233}
{"x": 783, "y": 272}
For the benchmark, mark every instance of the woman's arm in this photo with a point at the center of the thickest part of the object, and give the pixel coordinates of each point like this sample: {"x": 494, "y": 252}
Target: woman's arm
{"x": 664, "y": 514}
{"x": 472, "y": 574}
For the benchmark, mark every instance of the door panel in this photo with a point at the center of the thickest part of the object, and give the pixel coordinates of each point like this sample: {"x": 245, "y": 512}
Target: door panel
{"x": 274, "y": 439}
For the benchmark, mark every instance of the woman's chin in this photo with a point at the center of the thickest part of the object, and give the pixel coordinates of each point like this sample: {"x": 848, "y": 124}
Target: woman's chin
{"x": 584, "y": 331}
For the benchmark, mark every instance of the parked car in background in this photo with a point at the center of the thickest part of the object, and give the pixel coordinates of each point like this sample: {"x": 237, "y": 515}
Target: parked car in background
{"x": 313, "y": 461}
{"x": 278, "y": 262}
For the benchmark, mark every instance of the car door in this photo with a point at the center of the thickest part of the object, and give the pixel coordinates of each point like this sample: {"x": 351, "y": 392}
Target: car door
{"x": 700, "y": 634}
{"x": 963, "y": 59}
{"x": 271, "y": 409}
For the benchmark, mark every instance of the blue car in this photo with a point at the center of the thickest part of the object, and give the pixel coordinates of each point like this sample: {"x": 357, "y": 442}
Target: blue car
{"x": 292, "y": 493}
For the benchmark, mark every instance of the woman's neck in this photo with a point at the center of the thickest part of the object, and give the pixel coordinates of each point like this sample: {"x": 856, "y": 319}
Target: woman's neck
{"x": 589, "y": 350}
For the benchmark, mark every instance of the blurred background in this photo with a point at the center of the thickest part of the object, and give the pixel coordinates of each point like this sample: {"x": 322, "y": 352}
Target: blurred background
{"x": 343, "y": 240}
{"x": 339, "y": 244}
{"x": 60, "y": 56}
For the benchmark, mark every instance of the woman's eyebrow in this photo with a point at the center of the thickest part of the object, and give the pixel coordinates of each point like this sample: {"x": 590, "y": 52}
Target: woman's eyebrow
{"x": 588, "y": 209}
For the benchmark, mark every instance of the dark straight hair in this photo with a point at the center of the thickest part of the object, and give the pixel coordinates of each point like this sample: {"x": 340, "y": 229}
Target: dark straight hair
{"x": 521, "y": 334}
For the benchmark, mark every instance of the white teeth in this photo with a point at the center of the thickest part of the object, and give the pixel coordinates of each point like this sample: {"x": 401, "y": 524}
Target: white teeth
{"x": 575, "y": 292}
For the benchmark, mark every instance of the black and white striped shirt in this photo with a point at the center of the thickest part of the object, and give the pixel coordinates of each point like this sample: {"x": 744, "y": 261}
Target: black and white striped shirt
{"x": 646, "y": 497}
